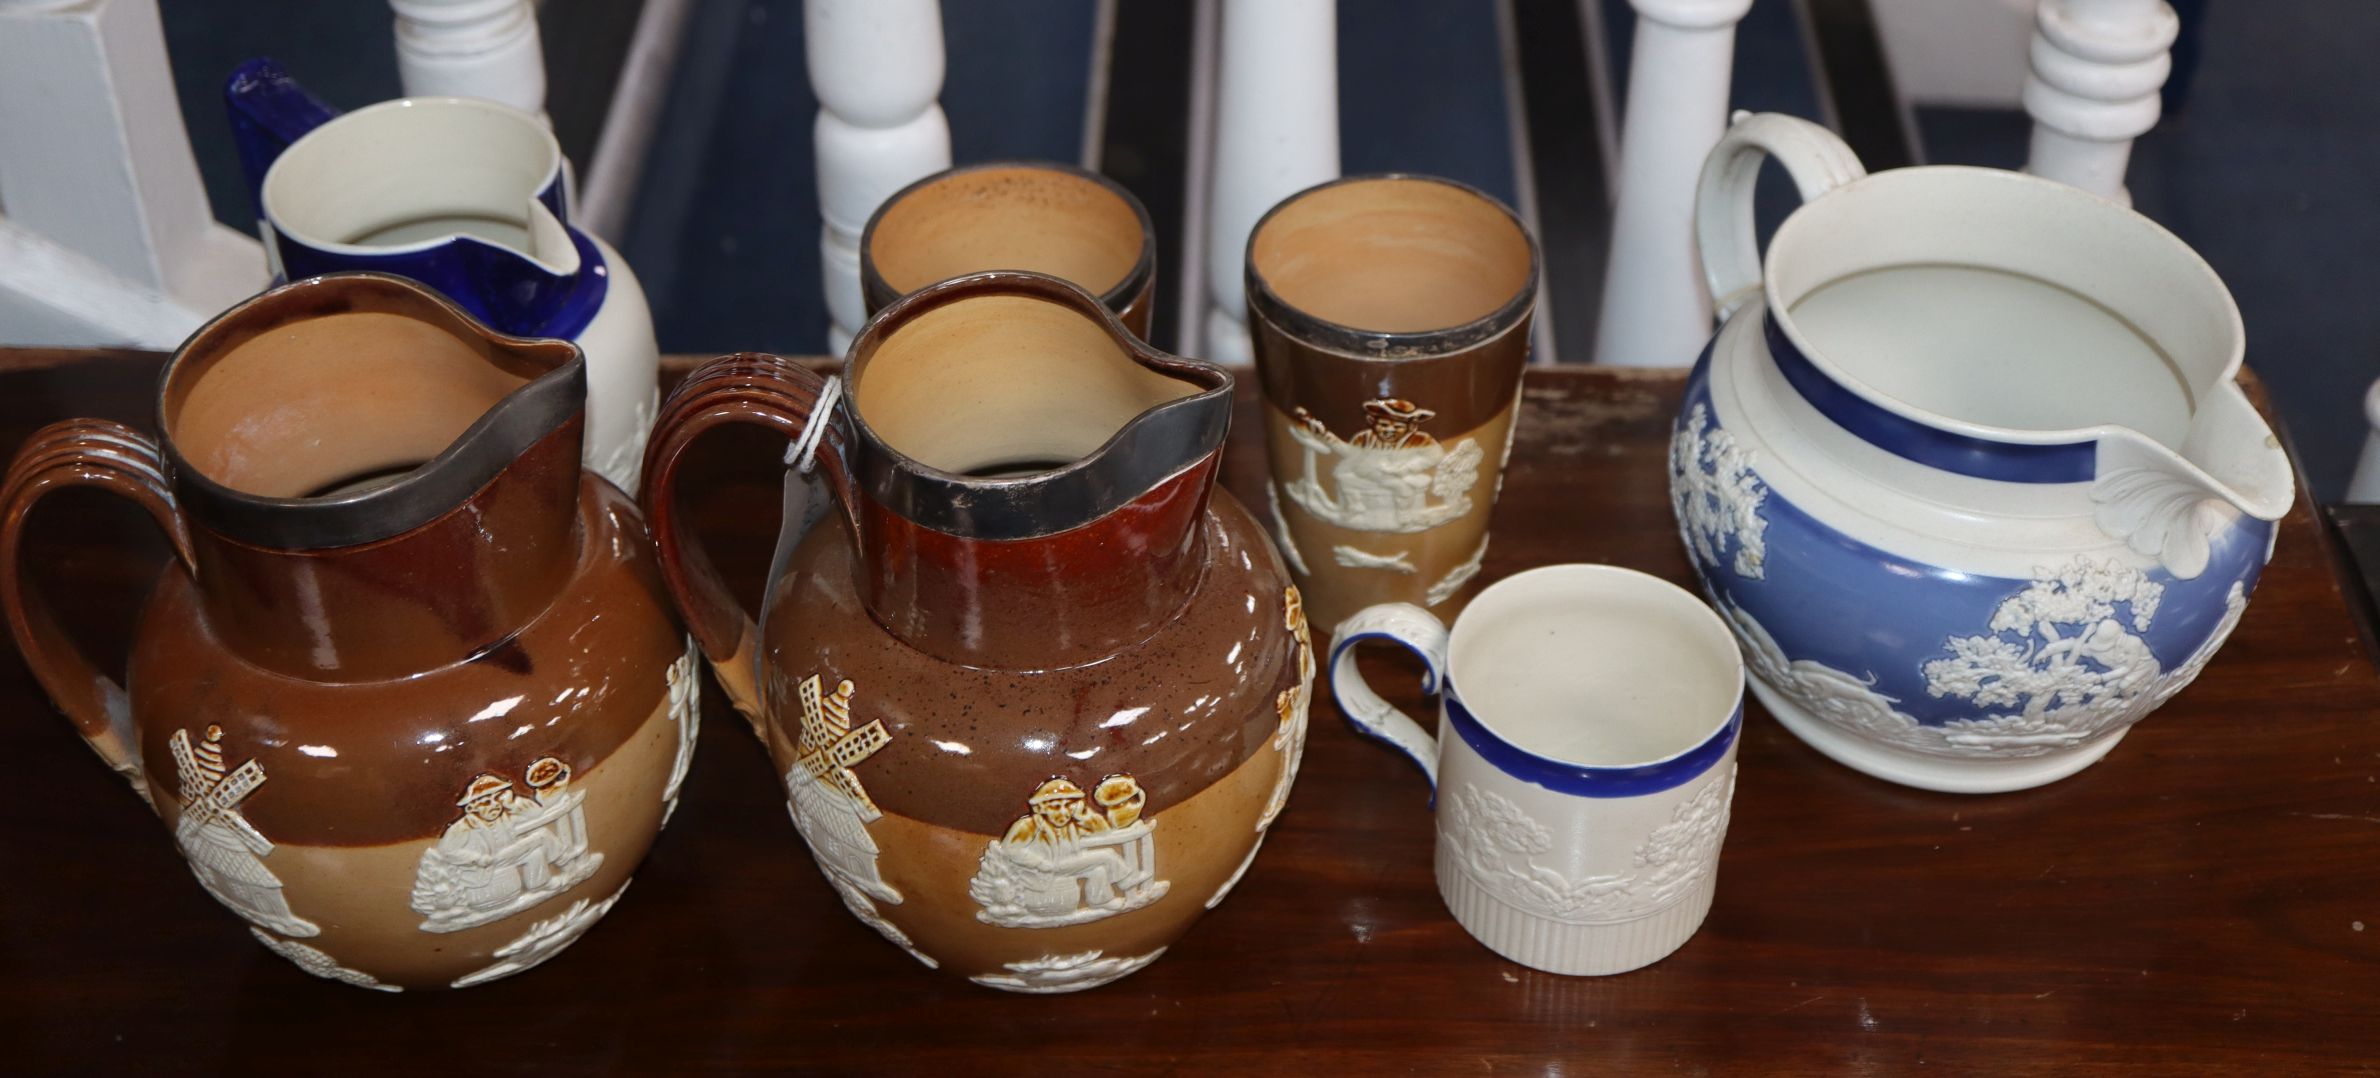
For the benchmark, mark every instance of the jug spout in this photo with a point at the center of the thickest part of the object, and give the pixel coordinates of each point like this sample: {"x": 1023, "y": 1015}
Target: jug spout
{"x": 268, "y": 111}
{"x": 2172, "y": 504}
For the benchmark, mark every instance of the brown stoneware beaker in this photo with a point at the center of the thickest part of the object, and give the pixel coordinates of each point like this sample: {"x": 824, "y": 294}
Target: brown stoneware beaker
{"x": 1038, "y": 688}
{"x": 410, "y": 695}
{"x": 1068, "y": 222}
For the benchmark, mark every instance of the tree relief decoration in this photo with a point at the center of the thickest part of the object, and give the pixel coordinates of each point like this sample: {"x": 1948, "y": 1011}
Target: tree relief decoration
{"x": 1065, "y": 973}
{"x": 544, "y": 939}
{"x": 225, "y": 851}
{"x": 1390, "y": 477}
{"x": 831, "y": 807}
{"x": 1458, "y": 576}
{"x": 1717, "y": 495}
{"x": 685, "y": 716}
{"x": 2061, "y": 665}
{"x": 314, "y": 961}
{"x": 507, "y": 850}
{"x": 1497, "y": 843}
{"x": 1065, "y": 862}
{"x": 1293, "y": 704}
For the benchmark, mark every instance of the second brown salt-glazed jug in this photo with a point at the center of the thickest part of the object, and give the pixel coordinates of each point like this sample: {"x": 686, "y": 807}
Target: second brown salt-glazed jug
{"x": 410, "y": 695}
{"x": 1041, "y": 688}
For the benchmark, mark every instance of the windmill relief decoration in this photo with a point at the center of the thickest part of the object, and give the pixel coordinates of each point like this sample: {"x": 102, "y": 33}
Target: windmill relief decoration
{"x": 685, "y": 716}
{"x": 1066, "y": 862}
{"x": 507, "y": 850}
{"x": 225, "y": 851}
{"x": 830, "y": 806}
{"x": 1390, "y": 477}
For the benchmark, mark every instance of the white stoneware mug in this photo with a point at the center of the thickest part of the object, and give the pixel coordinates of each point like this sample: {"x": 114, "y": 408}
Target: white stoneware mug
{"x": 1584, "y": 762}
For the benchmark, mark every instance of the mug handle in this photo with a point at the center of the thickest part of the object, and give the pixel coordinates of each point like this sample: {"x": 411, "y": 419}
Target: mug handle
{"x": 117, "y": 459}
{"x": 747, "y": 387}
{"x": 1421, "y": 633}
{"x": 1723, "y": 228}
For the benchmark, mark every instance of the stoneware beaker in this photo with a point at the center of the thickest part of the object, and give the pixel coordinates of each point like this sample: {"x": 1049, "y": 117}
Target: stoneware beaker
{"x": 1390, "y": 319}
{"x": 1584, "y": 763}
{"x": 1068, "y": 222}
{"x": 1967, "y": 468}
{"x": 410, "y": 696}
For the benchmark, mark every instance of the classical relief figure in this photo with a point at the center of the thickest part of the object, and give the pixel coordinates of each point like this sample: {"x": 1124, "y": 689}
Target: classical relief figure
{"x": 1066, "y": 862}
{"x": 1390, "y": 477}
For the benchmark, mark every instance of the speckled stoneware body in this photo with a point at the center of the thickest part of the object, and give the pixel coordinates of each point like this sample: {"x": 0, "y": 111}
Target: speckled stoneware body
{"x": 1967, "y": 470}
{"x": 1390, "y": 321}
{"x": 1039, "y": 688}
{"x": 412, "y": 699}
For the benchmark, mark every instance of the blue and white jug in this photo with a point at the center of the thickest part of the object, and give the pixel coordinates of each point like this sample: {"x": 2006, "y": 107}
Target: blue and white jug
{"x": 1966, "y": 469}
{"x": 467, "y": 196}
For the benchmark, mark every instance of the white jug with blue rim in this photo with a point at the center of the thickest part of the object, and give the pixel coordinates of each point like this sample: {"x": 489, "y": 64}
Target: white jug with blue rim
{"x": 1967, "y": 468}
{"x": 469, "y": 197}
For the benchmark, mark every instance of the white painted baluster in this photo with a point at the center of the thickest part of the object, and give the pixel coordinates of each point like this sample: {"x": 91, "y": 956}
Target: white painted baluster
{"x": 2097, "y": 69}
{"x": 107, "y": 238}
{"x": 1276, "y": 133}
{"x": 2363, "y": 488}
{"x": 487, "y": 49}
{"x": 1656, "y": 309}
{"x": 876, "y": 66}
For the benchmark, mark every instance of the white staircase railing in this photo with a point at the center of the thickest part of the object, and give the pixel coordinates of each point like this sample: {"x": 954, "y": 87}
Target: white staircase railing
{"x": 1276, "y": 133}
{"x": 2098, "y": 67}
{"x": 876, "y": 66}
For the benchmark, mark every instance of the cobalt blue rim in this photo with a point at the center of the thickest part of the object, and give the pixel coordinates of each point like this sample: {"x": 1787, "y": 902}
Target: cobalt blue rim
{"x": 1580, "y": 780}
{"x": 496, "y": 285}
{"x": 1979, "y": 458}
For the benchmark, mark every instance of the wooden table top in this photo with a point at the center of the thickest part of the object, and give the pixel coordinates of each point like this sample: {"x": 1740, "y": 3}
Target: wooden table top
{"x": 2209, "y": 895}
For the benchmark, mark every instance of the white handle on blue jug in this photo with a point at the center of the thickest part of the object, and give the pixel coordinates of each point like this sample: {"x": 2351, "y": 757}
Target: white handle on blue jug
{"x": 1723, "y": 228}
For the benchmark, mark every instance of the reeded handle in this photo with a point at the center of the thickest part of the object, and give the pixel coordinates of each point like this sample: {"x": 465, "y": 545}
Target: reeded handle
{"x": 748, "y": 387}
{"x": 1420, "y": 632}
{"x": 119, "y": 460}
{"x": 1723, "y": 228}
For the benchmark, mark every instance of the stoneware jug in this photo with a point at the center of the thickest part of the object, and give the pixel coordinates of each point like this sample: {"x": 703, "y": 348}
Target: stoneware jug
{"x": 1966, "y": 468}
{"x": 410, "y": 695}
{"x": 1039, "y": 688}
{"x": 467, "y": 196}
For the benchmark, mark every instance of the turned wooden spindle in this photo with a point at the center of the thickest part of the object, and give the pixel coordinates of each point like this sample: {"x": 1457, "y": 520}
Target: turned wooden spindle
{"x": 488, "y": 49}
{"x": 1656, "y": 308}
{"x": 876, "y": 66}
{"x": 2097, "y": 69}
{"x": 1276, "y": 133}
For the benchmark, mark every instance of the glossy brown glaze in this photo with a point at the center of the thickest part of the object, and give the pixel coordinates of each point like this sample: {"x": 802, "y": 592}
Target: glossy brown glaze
{"x": 2186, "y": 907}
{"x": 1390, "y": 321}
{"x": 1039, "y": 682}
{"x": 1044, "y": 216}
{"x": 412, "y": 701}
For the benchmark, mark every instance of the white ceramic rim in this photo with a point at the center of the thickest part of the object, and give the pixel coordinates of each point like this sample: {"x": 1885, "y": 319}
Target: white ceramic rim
{"x": 529, "y": 125}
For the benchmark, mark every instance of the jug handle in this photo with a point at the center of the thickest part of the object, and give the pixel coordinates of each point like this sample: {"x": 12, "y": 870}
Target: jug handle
{"x": 748, "y": 387}
{"x": 268, "y": 112}
{"x": 1723, "y": 227}
{"x": 1421, "y": 633}
{"x": 116, "y": 459}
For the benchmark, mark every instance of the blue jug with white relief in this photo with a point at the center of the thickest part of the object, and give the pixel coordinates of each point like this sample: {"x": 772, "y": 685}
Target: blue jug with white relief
{"x": 469, "y": 197}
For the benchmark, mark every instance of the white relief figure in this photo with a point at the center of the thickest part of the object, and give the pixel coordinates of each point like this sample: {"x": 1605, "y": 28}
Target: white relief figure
{"x": 1066, "y": 863}
{"x": 2077, "y": 668}
{"x": 1716, "y": 495}
{"x": 832, "y": 809}
{"x": 1065, "y": 973}
{"x": 685, "y": 715}
{"x": 1359, "y": 558}
{"x": 507, "y": 851}
{"x": 544, "y": 939}
{"x": 1389, "y": 477}
{"x": 1829, "y": 694}
{"x": 1458, "y": 576}
{"x": 314, "y": 961}
{"x": 1499, "y": 842}
{"x": 1288, "y": 543}
{"x": 225, "y": 851}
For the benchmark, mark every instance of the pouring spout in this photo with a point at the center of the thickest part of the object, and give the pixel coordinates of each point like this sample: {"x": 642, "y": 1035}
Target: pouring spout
{"x": 2171, "y": 505}
{"x": 268, "y": 112}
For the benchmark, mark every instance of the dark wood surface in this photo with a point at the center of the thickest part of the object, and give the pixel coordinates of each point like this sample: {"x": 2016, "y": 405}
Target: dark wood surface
{"x": 2207, "y": 897}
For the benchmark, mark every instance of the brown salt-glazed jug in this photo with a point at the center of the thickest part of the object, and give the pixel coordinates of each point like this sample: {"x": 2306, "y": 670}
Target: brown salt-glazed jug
{"x": 1041, "y": 689}
{"x": 410, "y": 696}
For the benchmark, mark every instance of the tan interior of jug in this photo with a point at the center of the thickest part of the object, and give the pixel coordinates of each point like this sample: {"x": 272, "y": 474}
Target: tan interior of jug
{"x": 1392, "y": 255}
{"x": 1043, "y": 220}
{"x": 1004, "y": 384}
{"x": 333, "y": 403}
